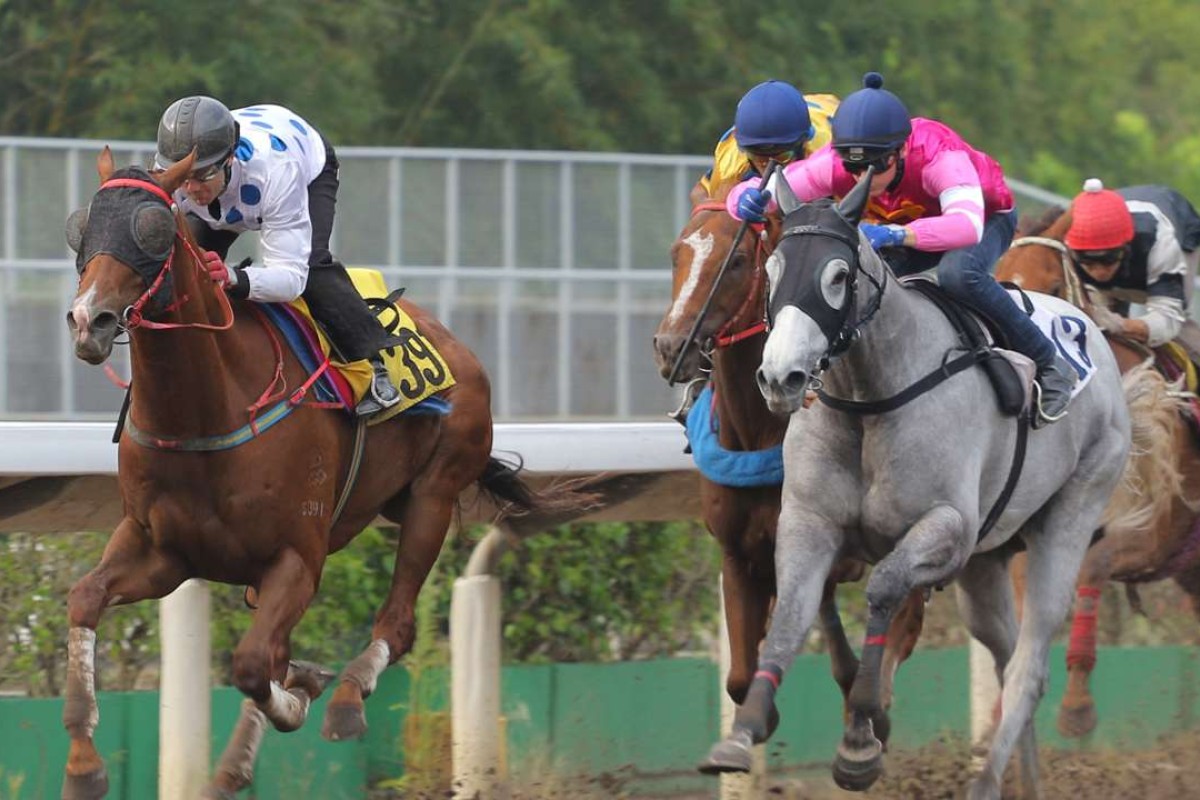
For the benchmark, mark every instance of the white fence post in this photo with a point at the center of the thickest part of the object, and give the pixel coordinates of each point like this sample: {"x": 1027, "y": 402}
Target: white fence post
{"x": 477, "y": 745}
{"x": 752, "y": 785}
{"x": 185, "y": 692}
{"x": 985, "y": 692}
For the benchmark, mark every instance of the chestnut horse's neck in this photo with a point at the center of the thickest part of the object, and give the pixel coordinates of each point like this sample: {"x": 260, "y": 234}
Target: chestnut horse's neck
{"x": 746, "y": 422}
{"x": 195, "y": 368}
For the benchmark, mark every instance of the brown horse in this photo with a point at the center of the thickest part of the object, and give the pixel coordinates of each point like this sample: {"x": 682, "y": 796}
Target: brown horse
{"x": 743, "y": 519}
{"x": 261, "y": 514}
{"x": 1152, "y": 530}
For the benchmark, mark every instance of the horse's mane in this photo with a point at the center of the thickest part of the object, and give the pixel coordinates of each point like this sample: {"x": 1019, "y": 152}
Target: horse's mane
{"x": 1038, "y": 225}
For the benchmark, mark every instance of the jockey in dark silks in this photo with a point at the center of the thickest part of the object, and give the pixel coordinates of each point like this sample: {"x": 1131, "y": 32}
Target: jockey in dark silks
{"x": 1137, "y": 245}
{"x": 936, "y": 202}
{"x": 264, "y": 168}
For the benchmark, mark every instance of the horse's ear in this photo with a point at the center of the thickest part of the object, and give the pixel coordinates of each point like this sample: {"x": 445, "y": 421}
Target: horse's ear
{"x": 852, "y": 204}
{"x": 788, "y": 202}
{"x": 105, "y": 165}
{"x": 173, "y": 176}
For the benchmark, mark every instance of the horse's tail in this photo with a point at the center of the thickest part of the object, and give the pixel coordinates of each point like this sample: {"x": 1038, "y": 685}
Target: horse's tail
{"x": 503, "y": 483}
{"x": 1152, "y": 480}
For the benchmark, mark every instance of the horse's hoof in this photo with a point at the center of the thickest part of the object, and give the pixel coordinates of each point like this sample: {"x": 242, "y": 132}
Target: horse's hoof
{"x": 730, "y": 755}
{"x": 89, "y": 786}
{"x": 311, "y": 677}
{"x": 343, "y": 721}
{"x": 772, "y": 722}
{"x": 1077, "y": 721}
{"x": 856, "y": 769}
{"x": 985, "y": 787}
{"x": 882, "y": 726}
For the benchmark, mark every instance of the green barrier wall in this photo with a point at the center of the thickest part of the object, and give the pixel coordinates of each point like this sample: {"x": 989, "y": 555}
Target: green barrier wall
{"x": 645, "y": 722}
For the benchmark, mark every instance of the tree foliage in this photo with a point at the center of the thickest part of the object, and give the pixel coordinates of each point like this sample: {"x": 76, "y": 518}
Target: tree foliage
{"x": 1057, "y": 91}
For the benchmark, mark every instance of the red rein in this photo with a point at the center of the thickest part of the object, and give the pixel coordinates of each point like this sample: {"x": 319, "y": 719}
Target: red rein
{"x": 723, "y": 337}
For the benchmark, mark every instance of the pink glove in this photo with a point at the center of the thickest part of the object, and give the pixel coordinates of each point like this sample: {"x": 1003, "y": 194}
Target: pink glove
{"x": 221, "y": 274}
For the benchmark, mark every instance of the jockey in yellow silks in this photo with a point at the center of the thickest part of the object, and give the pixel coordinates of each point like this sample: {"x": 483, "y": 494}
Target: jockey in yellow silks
{"x": 773, "y": 120}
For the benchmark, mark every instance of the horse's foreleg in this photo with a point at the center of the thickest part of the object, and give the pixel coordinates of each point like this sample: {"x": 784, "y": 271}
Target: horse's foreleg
{"x": 747, "y": 587}
{"x": 260, "y": 662}
{"x": 423, "y": 527}
{"x": 902, "y": 636}
{"x": 929, "y": 554}
{"x": 843, "y": 662}
{"x": 804, "y": 555}
{"x": 130, "y": 570}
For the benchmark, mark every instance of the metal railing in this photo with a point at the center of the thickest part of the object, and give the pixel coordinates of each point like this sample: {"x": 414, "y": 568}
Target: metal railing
{"x": 551, "y": 266}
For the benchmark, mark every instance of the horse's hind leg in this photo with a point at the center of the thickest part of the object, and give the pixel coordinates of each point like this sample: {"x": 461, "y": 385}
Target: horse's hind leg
{"x": 423, "y": 527}
{"x": 929, "y": 554}
{"x": 1056, "y": 549}
{"x": 130, "y": 570}
{"x": 987, "y": 604}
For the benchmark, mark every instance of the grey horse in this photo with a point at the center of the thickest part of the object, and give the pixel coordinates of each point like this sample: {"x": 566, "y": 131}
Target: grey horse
{"x": 910, "y": 486}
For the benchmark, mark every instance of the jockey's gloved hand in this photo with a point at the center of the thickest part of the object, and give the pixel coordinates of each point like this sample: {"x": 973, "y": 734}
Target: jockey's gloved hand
{"x": 881, "y": 236}
{"x": 1107, "y": 320}
{"x": 752, "y": 205}
{"x": 221, "y": 273}
{"x": 232, "y": 279}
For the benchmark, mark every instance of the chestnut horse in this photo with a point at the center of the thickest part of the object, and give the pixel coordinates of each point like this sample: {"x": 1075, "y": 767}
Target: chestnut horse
{"x": 260, "y": 514}
{"x": 743, "y": 519}
{"x": 1154, "y": 532}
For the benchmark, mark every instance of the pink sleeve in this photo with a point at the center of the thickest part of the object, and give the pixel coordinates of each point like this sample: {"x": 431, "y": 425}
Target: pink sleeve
{"x": 952, "y": 178}
{"x": 810, "y": 179}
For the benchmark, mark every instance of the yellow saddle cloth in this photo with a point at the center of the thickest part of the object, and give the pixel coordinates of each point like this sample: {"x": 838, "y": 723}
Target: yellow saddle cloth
{"x": 416, "y": 367}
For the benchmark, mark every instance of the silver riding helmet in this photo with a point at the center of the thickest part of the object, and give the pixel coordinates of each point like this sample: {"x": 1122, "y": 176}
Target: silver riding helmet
{"x": 196, "y": 122}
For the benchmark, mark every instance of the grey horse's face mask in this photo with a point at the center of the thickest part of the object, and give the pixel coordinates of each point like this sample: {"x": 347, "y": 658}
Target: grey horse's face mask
{"x": 819, "y": 248}
{"x": 128, "y": 223}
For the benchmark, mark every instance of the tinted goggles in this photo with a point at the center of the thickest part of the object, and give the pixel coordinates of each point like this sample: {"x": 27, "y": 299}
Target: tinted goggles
{"x": 781, "y": 154}
{"x": 880, "y": 163}
{"x": 1104, "y": 257}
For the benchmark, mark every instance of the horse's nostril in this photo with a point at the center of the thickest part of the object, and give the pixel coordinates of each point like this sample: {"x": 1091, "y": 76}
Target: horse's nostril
{"x": 105, "y": 320}
{"x": 796, "y": 381}
{"x": 71, "y": 324}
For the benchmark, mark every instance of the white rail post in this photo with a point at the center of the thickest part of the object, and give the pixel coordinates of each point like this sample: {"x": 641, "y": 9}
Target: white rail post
{"x": 985, "y": 692}
{"x": 477, "y": 745}
{"x": 185, "y": 692}
{"x": 752, "y": 785}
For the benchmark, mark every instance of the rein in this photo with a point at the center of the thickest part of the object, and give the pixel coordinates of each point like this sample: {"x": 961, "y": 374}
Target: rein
{"x": 1073, "y": 290}
{"x": 133, "y": 317}
{"x": 723, "y": 338}
{"x": 712, "y": 293}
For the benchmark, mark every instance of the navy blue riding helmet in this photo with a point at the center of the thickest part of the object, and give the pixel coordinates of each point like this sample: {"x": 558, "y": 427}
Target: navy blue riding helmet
{"x": 773, "y": 113}
{"x": 870, "y": 122}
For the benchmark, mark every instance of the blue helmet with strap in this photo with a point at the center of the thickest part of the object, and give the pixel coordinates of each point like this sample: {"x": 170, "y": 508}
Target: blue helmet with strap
{"x": 870, "y": 121}
{"x": 774, "y": 113}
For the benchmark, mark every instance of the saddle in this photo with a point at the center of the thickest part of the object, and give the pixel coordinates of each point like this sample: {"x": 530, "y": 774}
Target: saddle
{"x": 1178, "y": 363}
{"x": 978, "y": 333}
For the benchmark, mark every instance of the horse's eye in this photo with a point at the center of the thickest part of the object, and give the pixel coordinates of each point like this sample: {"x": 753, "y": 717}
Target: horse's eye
{"x": 833, "y": 282}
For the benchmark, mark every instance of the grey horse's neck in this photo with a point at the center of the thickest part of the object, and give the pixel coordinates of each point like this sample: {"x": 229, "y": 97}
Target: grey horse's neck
{"x": 905, "y": 340}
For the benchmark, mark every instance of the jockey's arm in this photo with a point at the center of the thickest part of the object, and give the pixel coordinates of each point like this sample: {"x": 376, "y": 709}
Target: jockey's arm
{"x": 286, "y": 240}
{"x": 1165, "y": 312}
{"x": 953, "y": 179}
{"x": 810, "y": 179}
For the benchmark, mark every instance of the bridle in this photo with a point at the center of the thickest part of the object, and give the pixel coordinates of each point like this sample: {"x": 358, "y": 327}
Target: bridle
{"x": 754, "y": 303}
{"x": 134, "y": 314}
{"x": 850, "y": 328}
{"x": 1073, "y": 290}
